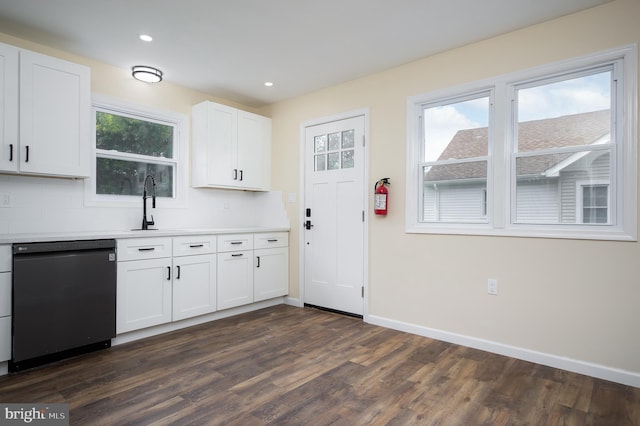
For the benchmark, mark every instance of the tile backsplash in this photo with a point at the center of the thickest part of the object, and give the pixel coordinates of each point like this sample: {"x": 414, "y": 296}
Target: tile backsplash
{"x": 42, "y": 204}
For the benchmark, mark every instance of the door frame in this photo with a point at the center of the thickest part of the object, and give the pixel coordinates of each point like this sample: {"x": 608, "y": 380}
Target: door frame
{"x": 364, "y": 112}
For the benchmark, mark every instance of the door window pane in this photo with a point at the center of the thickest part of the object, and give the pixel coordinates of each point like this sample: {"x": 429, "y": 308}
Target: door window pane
{"x": 333, "y": 161}
{"x": 320, "y": 162}
{"x": 320, "y": 143}
{"x": 348, "y": 137}
{"x": 347, "y": 159}
{"x": 334, "y": 141}
{"x": 339, "y": 148}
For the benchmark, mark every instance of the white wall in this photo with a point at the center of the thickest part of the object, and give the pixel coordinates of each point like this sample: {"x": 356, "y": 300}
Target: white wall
{"x": 40, "y": 204}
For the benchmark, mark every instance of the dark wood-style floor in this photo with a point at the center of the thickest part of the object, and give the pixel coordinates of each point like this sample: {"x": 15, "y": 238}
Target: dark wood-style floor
{"x": 292, "y": 366}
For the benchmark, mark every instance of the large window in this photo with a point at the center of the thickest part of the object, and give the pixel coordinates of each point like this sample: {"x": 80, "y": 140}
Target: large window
{"x": 132, "y": 142}
{"x": 544, "y": 152}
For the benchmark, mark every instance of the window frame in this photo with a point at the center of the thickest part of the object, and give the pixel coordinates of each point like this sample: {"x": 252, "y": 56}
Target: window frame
{"x": 501, "y": 174}
{"x": 450, "y": 100}
{"x": 179, "y": 122}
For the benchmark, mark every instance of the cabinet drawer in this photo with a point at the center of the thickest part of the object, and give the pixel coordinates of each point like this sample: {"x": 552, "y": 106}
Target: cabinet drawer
{"x": 143, "y": 248}
{"x": 235, "y": 242}
{"x": 5, "y": 258}
{"x": 275, "y": 239}
{"x": 197, "y": 244}
{"x": 5, "y": 294}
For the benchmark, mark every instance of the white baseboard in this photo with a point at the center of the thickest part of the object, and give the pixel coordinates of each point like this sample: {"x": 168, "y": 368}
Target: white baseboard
{"x": 172, "y": 326}
{"x": 292, "y": 301}
{"x": 624, "y": 377}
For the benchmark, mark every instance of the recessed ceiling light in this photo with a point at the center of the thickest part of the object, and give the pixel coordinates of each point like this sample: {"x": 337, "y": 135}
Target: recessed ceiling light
{"x": 145, "y": 37}
{"x": 268, "y": 83}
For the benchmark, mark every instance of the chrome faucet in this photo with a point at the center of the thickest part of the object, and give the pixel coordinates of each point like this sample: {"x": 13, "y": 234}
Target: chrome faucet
{"x": 145, "y": 222}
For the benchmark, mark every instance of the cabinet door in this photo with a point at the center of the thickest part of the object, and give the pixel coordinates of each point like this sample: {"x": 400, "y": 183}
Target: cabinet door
{"x": 254, "y": 151}
{"x": 8, "y": 108}
{"x": 235, "y": 279}
{"x": 55, "y": 106}
{"x": 144, "y": 294}
{"x": 221, "y": 145}
{"x": 5, "y": 338}
{"x": 194, "y": 285}
{"x": 271, "y": 274}
{"x": 5, "y": 294}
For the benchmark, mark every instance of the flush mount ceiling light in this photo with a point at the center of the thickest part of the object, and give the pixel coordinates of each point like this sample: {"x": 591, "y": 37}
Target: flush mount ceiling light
{"x": 146, "y": 74}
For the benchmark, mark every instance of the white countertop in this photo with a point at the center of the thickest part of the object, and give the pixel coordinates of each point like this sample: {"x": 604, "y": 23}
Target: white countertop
{"x": 98, "y": 235}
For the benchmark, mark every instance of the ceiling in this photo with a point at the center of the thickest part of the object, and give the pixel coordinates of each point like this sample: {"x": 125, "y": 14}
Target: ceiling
{"x": 229, "y": 48}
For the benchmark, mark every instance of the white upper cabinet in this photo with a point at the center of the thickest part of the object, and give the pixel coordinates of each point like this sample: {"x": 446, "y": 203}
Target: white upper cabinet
{"x": 231, "y": 148}
{"x": 8, "y": 107}
{"x": 50, "y": 131}
{"x": 254, "y": 150}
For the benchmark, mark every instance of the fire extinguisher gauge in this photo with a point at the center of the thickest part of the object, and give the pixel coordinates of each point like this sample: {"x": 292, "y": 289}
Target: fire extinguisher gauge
{"x": 383, "y": 181}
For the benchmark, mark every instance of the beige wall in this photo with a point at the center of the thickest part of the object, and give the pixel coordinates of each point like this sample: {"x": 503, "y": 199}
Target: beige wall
{"x": 568, "y": 298}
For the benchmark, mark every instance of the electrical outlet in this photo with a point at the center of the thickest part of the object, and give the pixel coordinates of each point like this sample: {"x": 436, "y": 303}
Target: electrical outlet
{"x": 492, "y": 286}
{"x": 5, "y": 200}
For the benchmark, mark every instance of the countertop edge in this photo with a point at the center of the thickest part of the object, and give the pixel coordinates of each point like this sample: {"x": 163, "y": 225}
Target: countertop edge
{"x": 100, "y": 235}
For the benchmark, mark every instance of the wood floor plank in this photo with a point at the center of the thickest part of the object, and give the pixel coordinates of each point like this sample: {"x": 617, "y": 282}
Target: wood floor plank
{"x": 291, "y": 366}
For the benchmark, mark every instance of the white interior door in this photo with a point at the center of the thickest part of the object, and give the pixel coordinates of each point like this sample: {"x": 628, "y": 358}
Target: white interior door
{"x": 334, "y": 209}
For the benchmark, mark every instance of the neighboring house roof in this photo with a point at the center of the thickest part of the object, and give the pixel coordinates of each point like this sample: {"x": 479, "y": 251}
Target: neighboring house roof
{"x": 569, "y": 130}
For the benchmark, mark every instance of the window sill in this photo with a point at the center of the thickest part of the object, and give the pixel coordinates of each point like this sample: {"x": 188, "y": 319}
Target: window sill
{"x": 526, "y": 231}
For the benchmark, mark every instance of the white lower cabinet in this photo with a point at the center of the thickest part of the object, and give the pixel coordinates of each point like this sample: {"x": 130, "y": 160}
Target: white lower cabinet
{"x": 194, "y": 285}
{"x": 144, "y": 294}
{"x": 164, "y": 279}
{"x": 271, "y": 274}
{"x": 5, "y": 303}
{"x": 246, "y": 276}
{"x": 235, "y": 279}
{"x": 170, "y": 279}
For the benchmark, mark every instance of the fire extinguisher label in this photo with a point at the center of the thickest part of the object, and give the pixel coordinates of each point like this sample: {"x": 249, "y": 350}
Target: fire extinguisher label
{"x": 380, "y": 201}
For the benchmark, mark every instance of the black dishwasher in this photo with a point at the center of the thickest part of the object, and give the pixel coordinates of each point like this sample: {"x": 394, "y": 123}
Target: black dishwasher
{"x": 64, "y": 300}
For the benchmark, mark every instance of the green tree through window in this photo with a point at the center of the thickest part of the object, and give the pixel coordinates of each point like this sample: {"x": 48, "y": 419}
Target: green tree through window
{"x": 128, "y": 149}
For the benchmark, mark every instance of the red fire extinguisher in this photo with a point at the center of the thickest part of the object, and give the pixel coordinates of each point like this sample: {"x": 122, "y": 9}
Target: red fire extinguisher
{"x": 381, "y": 200}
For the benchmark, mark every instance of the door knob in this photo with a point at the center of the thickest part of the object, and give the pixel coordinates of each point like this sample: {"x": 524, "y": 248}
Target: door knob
{"x": 308, "y": 224}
